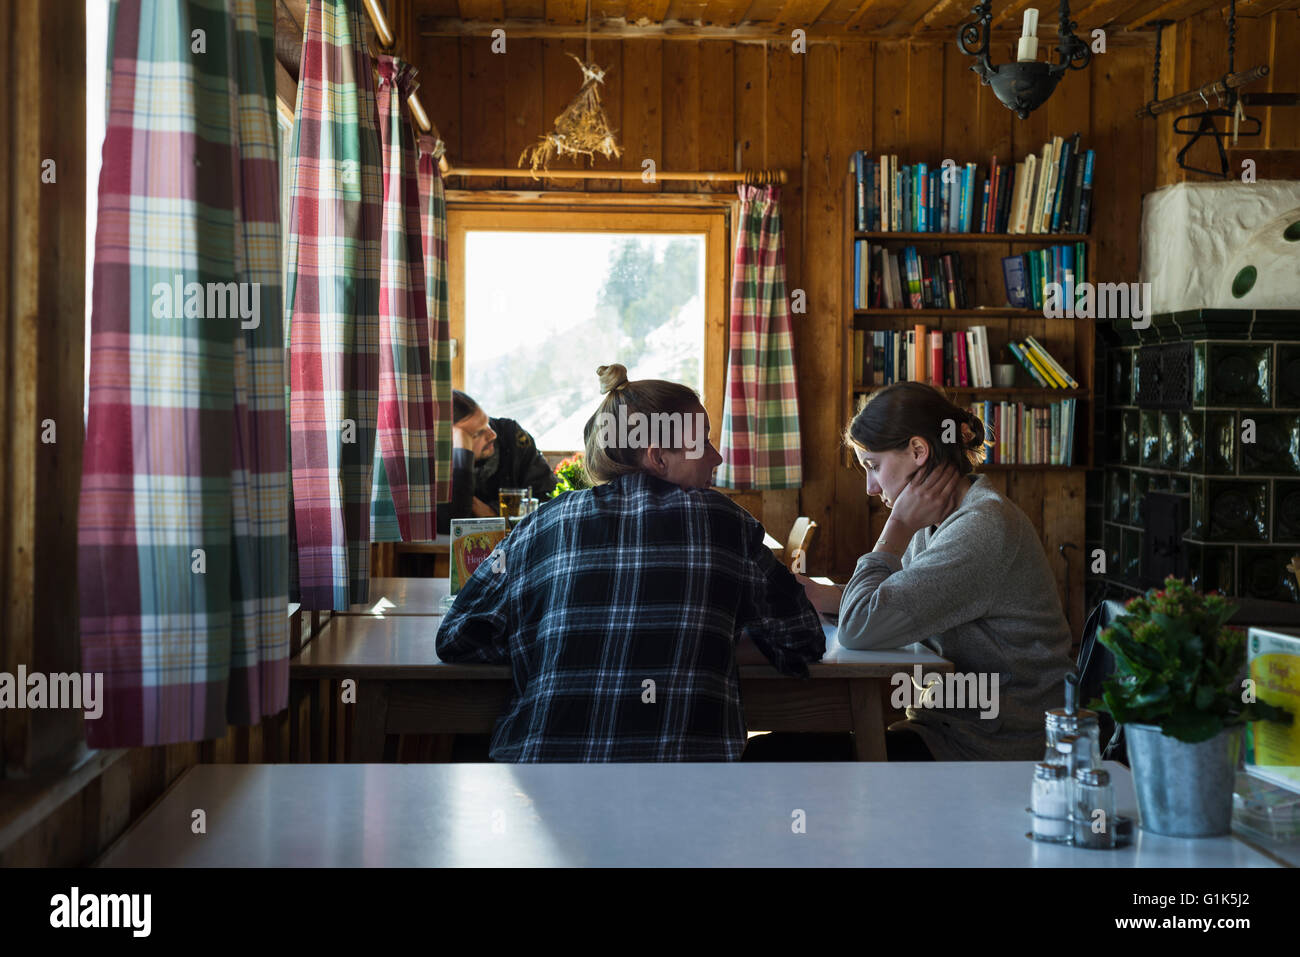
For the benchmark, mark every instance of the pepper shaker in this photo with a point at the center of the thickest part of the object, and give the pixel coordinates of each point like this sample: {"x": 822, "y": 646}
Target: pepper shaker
{"x": 1092, "y": 809}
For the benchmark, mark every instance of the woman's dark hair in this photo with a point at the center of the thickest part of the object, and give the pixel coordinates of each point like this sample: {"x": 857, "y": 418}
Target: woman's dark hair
{"x": 897, "y": 412}
{"x": 462, "y": 406}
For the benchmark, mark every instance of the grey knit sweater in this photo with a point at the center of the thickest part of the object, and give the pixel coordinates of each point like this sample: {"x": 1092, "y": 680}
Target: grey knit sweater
{"x": 976, "y": 589}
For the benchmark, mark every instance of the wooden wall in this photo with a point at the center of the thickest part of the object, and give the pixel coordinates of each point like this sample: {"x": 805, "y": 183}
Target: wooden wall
{"x": 692, "y": 104}
{"x": 1195, "y": 52}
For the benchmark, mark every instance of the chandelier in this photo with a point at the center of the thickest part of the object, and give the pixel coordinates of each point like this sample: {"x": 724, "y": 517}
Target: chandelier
{"x": 1025, "y": 85}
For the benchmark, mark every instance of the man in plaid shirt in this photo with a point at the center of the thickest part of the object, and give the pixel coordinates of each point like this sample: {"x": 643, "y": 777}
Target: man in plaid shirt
{"x": 618, "y": 609}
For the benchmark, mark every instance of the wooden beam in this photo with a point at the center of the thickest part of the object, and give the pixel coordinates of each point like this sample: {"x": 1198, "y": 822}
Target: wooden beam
{"x": 577, "y": 200}
{"x": 1258, "y": 8}
{"x": 1169, "y": 10}
{"x": 947, "y": 14}
{"x": 288, "y": 39}
{"x": 1101, "y": 12}
{"x": 873, "y": 14}
{"x": 764, "y": 33}
{"x": 801, "y": 13}
{"x": 909, "y": 18}
{"x": 689, "y": 176}
{"x": 42, "y": 336}
{"x": 286, "y": 92}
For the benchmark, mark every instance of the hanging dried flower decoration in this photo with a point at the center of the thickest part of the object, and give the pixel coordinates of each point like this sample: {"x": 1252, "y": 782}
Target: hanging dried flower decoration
{"x": 581, "y": 130}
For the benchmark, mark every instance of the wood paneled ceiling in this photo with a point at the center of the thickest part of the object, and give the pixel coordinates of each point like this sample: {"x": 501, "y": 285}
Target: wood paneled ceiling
{"x": 919, "y": 19}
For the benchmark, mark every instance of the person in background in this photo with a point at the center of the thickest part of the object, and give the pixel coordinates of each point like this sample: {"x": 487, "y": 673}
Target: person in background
{"x": 488, "y": 455}
{"x": 959, "y": 568}
{"x": 620, "y": 608}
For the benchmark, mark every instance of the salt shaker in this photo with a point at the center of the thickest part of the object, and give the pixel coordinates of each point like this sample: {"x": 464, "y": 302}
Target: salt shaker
{"x": 1049, "y": 804}
{"x": 1092, "y": 809}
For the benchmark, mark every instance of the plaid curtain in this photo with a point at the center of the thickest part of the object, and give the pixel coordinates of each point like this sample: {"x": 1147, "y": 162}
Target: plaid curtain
{"x": 332, "y": 309}
{"x": 760, "y": 418}
{"x": 433, "y": 213}
{"x": 182, "y": 557}
{"x": 402, "y": 507}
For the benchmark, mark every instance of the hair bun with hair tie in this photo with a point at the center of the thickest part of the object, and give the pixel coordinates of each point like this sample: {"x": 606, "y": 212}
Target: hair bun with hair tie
{"x": 612, "y": 377}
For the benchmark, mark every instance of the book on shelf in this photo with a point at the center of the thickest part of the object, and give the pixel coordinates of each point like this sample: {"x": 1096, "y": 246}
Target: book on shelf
{"x": 906, "y": 278}
{"x": 1021, "y": 434}
{"x": 1068, "y": 381}
{"x": 980, "y": 341}
{"x": 1046, "y": 192}
{"x": 919, "y": 354}
{"x": 1065, "y": 264}
{"x": 958, "y": 359}
{"x": 1013, "y": 278}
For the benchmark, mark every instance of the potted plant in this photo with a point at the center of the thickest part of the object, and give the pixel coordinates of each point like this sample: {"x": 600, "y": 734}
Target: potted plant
{"x": 1178, "y": 690}
{"x": 572, "y": 475}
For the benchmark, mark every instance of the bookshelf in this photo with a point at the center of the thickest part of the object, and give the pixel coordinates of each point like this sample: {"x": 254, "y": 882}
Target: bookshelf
{"x": 1069, "y": 340}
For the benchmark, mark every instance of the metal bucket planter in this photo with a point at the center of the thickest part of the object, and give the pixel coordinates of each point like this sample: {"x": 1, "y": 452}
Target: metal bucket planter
{"x": 1183, "y": 790}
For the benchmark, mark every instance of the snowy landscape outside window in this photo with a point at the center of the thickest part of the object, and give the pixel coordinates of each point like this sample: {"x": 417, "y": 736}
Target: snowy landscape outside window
{"x": 544, "y": 309}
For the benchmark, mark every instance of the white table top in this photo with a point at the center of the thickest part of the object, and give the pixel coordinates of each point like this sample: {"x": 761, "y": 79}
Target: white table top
{"x": 543, "y": 815}
{"x": 365, "y": 646}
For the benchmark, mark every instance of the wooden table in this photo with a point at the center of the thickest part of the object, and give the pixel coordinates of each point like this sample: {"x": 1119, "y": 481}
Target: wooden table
{"x": 915, "y": 814}
{"x": 403, "y": 596}
{"x": 402, "y": 687}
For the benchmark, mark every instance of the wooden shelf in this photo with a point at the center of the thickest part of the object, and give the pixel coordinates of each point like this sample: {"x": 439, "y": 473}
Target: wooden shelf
{"x": 1032, "y": 390}
{"x": 1049, "y": 239}
{"x": 992, "y": 312}
{"x": 1002, "y": 467}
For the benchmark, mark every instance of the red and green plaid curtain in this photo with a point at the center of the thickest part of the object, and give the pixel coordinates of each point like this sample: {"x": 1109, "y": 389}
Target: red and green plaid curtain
{"x": 332, "y": 309}
{"x": 760, "y": 418}
{"x": 402, "y": 507}
{"x": 433, "y": 212}
{"x": 182, "y": 530}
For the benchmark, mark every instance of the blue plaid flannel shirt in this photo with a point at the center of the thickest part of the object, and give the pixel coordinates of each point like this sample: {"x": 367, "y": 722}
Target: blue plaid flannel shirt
{"x": 599, "y": 591}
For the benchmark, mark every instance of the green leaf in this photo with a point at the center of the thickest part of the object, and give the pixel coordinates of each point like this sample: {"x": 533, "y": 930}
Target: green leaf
{"x": 1192, "y": 726}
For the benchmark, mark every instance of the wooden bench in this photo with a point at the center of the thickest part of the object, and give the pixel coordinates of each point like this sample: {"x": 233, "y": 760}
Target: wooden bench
{"x": 402, "y": 687}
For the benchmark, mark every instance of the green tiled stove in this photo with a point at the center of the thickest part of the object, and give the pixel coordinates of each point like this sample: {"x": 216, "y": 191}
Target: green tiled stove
{"x": 1202, "y": 452}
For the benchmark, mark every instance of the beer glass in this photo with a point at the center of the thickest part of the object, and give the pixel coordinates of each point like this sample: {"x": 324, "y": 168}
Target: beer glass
{"x": 511, "y": 501}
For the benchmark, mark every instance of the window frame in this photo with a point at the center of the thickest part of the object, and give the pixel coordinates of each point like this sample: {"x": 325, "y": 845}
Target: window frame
{"x": 708, "y": 217}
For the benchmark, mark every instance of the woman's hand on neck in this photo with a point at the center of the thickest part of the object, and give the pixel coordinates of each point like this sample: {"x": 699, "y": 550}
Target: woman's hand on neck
{"x": 924, "y": 502}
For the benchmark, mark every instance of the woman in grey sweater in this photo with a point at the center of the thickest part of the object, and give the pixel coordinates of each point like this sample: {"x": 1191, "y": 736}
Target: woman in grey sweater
{"x": 960, "y": 569}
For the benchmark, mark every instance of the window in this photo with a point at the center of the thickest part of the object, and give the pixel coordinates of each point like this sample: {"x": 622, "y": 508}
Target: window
{"x": 540, "y": 298}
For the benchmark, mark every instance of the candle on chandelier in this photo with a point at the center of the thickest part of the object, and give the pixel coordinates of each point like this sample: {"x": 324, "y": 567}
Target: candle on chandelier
{"x": 1027, "y": 51}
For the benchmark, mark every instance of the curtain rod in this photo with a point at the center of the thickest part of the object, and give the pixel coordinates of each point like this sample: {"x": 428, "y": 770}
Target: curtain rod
{"x": 386, "y": 40}
{"x": 289, "y": 53}
{"x": 754, "y": 177}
